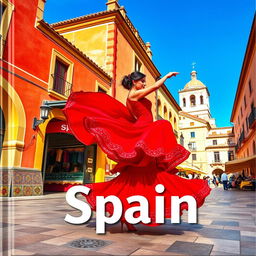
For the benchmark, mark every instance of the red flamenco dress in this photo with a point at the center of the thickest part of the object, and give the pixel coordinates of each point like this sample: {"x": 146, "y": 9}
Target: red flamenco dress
{"x": 146, "y": 152}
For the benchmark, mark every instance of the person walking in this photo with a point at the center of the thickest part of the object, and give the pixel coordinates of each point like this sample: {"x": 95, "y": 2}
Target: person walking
{"x": 224, "y": 180}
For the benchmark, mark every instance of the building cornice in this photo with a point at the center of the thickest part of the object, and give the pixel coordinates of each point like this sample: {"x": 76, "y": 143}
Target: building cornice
{"x": 216, "y": 147}
{"x": 182, "y": 113}
{"x": 220, "y": 136}
{"x": 194, "y": 89}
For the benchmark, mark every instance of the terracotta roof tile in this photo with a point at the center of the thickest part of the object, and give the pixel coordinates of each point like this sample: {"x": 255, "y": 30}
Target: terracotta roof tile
{"x": 84, "y": 17}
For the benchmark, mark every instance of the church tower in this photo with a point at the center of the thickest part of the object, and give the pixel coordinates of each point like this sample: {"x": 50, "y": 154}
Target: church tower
{"x": 194, "y": 99}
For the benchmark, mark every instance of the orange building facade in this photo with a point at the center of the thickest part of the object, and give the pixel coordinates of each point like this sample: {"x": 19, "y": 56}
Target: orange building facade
{"x": 41, "y": 65}
{"x": 244, "y": 111}
{"x": 110, "y": 39}
{"x": 41, "y": 68}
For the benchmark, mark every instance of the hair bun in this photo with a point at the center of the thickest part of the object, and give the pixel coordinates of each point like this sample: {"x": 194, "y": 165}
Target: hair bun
{"x": 127, "y": 82}
{"x": 134, "y": 76}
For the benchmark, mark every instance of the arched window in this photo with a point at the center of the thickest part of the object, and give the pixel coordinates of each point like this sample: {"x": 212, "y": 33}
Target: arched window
{"x": 184, "y": 102}
{"x": 182, "y": 140}
{"x": 159, "y": 107}
{"x": 192, "y": 100}
{"x": 170, "y": 116}
{"x": 201, "y": 99}
{"x": 165, "y": 113}
{"x": 175, "y": 123}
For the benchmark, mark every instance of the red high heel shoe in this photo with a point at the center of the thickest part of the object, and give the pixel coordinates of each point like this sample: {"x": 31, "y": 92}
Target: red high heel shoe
{"x": 130, "y": 227}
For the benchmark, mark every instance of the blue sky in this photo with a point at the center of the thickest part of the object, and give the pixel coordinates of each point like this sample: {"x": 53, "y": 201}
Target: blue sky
{"x": 212, "y": 33}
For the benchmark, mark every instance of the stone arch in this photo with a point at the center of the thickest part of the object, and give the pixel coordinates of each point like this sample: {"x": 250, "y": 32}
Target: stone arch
{"x": 159, "y": 107}
{"x": 192, "y": 100}
{"x": 170, "y": 116}
{"x": 15, "y": 125}
{"x": 201, "y": 99}
{"x": 217, "y": 171}
{"x": 175, "y": 122}
{"x": 165, "y": 113}
{"x": 184, "y": 102}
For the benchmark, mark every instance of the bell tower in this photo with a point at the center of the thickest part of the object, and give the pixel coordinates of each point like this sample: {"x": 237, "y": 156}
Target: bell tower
{"x": 194, "y": 99}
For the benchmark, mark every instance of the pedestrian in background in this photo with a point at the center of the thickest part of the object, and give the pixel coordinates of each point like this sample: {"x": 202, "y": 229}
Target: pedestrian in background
{"x": 224, "y": 180}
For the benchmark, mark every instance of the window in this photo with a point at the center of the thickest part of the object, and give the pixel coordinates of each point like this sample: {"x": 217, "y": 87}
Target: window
{"x": 59, "y": 78}
{"x": 254, "y": 148}
{"x": 192, "y": 100}
{"x": 244, "y": 102}
{"x": 170, "y": 116}
{"x": 230, "y": 155}
{"x": 192, "y": 123}
{"x": 138, "y": 64}
{"x": 193, "y": 157}
{"x": 192, "y": 146}
{"x": 165, "y": 113}
{"x": 214, "y": 142}
{"x": 216, "y": 156}
{"x": 101, "y": 90}
{"x": 201, "y": 99}
{"x": 192, "y": 134}
{"x": 181, "y": 140}
{"x": 2, "y": 9}
{"x": 159, "y": 107}
{"x": 61, "y": 73}
{"x": 6, "y": 10}
{"x": 184, "y": 102}
{"x": 250, "y": 87}
{"x": 247, "y": 123}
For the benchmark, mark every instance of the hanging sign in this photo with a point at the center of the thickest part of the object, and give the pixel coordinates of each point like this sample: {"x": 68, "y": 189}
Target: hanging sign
{"x": 58, "y": 127}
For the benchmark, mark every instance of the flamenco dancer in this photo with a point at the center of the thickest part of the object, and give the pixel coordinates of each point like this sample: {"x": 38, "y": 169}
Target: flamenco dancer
{"x": 146, "y": 152}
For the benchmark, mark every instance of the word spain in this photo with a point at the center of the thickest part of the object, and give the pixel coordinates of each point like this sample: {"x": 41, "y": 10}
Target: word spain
{"x": 143, "y": 208}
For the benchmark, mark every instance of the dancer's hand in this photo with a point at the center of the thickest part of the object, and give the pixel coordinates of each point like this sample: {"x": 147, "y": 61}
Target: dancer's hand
{"x": 170, "y": 74}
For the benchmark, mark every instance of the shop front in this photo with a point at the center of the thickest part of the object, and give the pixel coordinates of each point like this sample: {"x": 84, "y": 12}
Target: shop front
{"x": 66, "y": 160}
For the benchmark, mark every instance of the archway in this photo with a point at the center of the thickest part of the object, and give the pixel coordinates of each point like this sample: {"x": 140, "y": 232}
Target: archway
{"x": 15, "y": 125}
{"x": 217, "y": 172}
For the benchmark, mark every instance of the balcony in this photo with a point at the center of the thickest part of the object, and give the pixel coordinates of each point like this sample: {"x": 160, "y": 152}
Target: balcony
{"x": 241, "y": 138}
{"x": 252, "y": 118}
{"x": 61, "y": 86}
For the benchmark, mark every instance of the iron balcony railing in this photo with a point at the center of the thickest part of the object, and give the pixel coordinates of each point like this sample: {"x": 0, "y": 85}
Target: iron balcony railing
{"x": 61, "y": 86}
{"x": 241, "y": 138}
{"x": 252, "y": 117}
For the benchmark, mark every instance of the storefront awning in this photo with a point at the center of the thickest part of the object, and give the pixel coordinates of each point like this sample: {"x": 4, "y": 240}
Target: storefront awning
{"x": 187, "y": 168}
{"x": 240, "y": 164}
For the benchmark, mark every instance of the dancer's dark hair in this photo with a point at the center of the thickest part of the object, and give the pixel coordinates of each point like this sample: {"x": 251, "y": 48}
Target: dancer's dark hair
{"x": 127, "y": 80}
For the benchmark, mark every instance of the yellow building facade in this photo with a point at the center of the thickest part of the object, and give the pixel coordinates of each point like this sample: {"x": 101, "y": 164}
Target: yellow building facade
{"x": 114, "y": 44}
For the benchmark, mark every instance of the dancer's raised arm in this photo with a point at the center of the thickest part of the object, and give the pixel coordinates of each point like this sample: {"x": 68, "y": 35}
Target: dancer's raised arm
{"x": 136, "y": 83}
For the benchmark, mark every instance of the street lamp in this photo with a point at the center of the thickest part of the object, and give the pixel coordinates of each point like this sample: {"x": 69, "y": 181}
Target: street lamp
{"x": 44, "y": 112}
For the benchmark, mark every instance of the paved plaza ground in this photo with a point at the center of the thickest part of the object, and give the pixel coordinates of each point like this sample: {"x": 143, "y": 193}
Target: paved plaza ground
{"x": 36, "y": 226}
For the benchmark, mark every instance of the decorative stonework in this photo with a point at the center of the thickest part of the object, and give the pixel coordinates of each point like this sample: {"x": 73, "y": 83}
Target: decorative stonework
{"x": 20, "y": 182}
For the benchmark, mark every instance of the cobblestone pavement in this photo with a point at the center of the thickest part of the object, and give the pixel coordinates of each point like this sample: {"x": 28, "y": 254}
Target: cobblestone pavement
{"x": 36, "y": 226}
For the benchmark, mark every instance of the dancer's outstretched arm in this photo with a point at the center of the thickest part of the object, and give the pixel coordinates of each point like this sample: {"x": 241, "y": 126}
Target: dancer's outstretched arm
{"x": 141, "y": 93}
